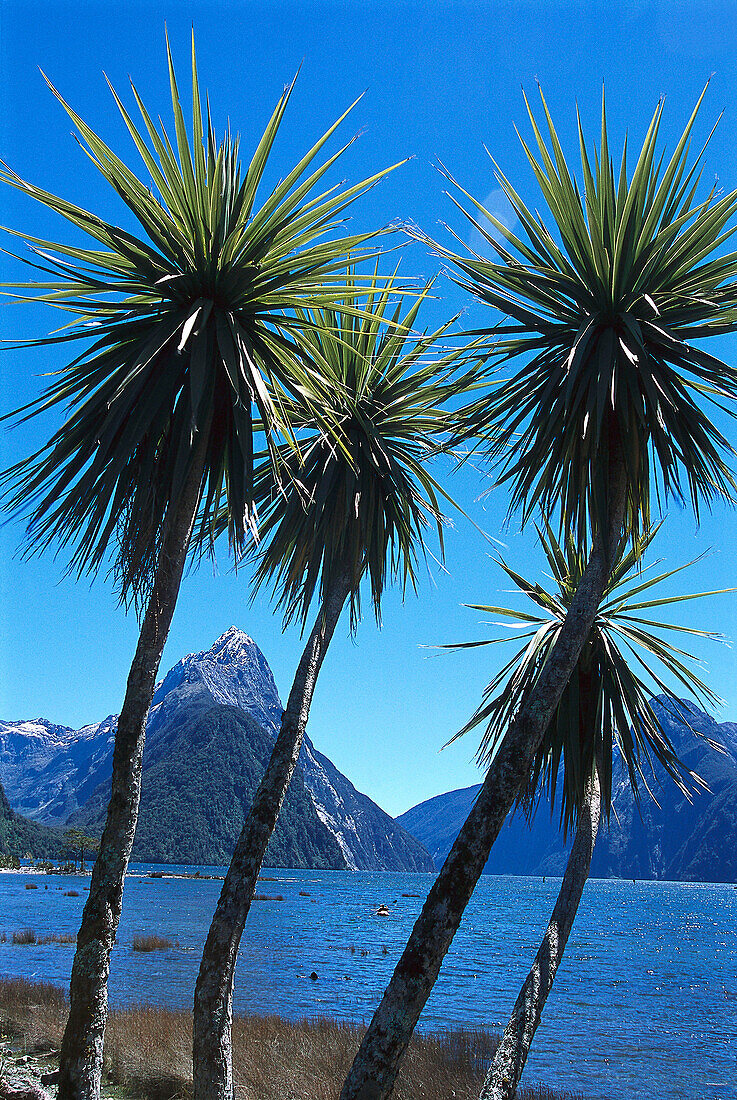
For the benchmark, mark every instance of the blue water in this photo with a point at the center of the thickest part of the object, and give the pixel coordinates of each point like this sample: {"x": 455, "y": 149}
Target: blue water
{"x": 644, "y": 1005}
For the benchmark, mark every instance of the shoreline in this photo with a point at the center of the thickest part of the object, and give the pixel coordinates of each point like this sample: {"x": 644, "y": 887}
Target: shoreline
{"x": 279, "y": 874}
{"x": 148, "y": 1053}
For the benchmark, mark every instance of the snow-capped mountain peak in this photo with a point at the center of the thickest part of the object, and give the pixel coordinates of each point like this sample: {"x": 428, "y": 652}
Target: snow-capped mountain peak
{"x": 232, "y": 672}
{"x": 74, "y": 771}
{"x": 231, "y": 643}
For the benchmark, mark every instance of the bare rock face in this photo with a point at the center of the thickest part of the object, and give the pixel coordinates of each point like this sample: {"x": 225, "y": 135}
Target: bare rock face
{"x": 21, "y": 1079}
{"x": 56, "y": 774}
{"x": 232, "y": 673}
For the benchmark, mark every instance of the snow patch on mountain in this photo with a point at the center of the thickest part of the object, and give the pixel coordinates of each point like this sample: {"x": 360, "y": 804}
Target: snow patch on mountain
{"x": 50, "y": 771}
{"x": 233, "y": 672}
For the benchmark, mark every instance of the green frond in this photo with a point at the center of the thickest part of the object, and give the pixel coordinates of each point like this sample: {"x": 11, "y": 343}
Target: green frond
{"x": 192, "y": 327}
{"x": 603, "y": 308}
{"x": 606, "y": 702}
{"x": 362, "y": 501}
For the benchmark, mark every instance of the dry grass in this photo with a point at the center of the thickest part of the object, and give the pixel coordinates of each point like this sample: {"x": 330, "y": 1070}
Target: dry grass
{"x": 33, "y": 1011}
{"x": 71, "y": 893}
{"x": 148, "y": 1050}
{"x": 151, "y": 943}
{"x": 29, "y": 935}
{"x": 24, "y": 935}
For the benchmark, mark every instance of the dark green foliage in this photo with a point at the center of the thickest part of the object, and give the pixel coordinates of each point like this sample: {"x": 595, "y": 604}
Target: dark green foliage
{"x": 198, "y": 788}
{"x": 364, "y": 505}
{"x": 184, "y": 331}
{"x": 605, "y": 704}
{"x": 19, "y": 835}
{"x": 79, "y": 844}
{"x": 601, "y": 304}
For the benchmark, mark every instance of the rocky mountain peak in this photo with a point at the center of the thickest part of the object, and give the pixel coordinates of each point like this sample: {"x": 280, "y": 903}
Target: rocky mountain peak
{"x": 229, "y": 644}
{"x": 232, "y": 672}
{"x": 221, "y": 708}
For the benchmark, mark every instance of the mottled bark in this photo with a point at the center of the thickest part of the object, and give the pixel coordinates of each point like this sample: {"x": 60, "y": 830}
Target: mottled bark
{"x": 375, "y": 1067}
{"x": 80, "y": 1062}
{"x": 511, "y": 1055}
{"x": 212, "y": 1062}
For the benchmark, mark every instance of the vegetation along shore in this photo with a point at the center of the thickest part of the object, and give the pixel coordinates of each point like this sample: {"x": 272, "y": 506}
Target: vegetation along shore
{"x": 148, "y": 1053}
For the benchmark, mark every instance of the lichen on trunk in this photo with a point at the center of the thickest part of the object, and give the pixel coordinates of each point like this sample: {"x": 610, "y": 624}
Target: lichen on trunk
{"x": 375, "y": 1067}
{"x": 80, "y": 1062}
{"x": 511, "y": 1054}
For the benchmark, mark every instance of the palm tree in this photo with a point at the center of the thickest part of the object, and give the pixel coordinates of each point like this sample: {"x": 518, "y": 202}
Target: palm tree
{"x": 184, "y": 329}
{"x": 604, "y": 704}
{"x": 350, "y": 509}
{"x": 610, "y": 397}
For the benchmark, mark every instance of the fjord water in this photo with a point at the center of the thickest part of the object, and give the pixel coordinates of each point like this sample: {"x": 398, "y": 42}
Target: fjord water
{"x": 645, "y": 1004}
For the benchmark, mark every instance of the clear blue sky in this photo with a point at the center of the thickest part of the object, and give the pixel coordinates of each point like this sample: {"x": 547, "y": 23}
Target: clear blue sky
{"x": 442, "y": 80}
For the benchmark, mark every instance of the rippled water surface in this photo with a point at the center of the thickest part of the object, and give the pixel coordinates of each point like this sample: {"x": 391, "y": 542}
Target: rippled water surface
{"x": 644, "y": 1005}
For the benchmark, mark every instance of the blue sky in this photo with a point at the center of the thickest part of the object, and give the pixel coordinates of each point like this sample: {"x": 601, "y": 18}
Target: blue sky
{"x": 441, "y": 81}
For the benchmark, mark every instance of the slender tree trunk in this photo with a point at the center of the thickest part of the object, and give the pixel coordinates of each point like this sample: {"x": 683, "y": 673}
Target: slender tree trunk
{"x": 375, "y": 1067}
{"x": 511, "y": 1055}
{"x": 80, "y": 1062}
{"x": 213, "y": 1000}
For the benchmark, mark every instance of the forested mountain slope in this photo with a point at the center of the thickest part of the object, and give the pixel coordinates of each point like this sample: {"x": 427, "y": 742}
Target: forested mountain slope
{"x": 677, "y": 840}
{"x": 214, "y": 718}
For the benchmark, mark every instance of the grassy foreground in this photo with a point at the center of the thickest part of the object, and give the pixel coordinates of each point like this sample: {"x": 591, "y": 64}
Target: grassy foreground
{"x": 148, "y": 1052}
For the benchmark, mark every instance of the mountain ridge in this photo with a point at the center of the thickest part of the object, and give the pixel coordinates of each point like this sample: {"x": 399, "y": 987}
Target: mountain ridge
{"x": 19, "y": 835}
{"x": 682, "y": 841}
{"x": 64, "y": 775}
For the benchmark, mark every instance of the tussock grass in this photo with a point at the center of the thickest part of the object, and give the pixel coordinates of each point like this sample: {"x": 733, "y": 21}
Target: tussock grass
{"x": 33, "y": 1011}
{"x": 31, "y": 886}
{"x": 151, "y": 943}
{"x": 268, "y": 897}
{"x": 71, "y": 893}
{"x": 148, "y": 1050}
{"x": 24, "y": 935}
{"x": 29, "y": 935}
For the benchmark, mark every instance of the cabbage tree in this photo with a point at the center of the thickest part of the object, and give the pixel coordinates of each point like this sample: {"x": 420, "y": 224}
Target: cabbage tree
{"x": 603, "y": 722}
{"x": 179, "y": 334}
{"x": 600, "y": 314}
{"x": 348, "y": 510}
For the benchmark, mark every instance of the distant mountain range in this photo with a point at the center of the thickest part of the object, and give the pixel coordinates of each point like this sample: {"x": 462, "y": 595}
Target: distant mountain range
{"x": 678, "y": 840}
{"x": 212, "y": 725}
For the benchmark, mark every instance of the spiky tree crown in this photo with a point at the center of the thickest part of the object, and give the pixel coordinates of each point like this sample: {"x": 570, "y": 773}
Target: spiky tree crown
{"x": 606, "y": 702}
{"x": 362, "y": 501}
{"x": 603, "y": 304}
{"x": 186, "y": 330}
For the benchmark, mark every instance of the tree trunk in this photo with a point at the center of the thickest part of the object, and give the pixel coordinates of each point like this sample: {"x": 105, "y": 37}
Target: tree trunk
{"x": 511, "y": 1055}
{"x": 212, "y": 1062}
{"x": 80, "y": 1061}
{"x": 375, "y": 1067}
